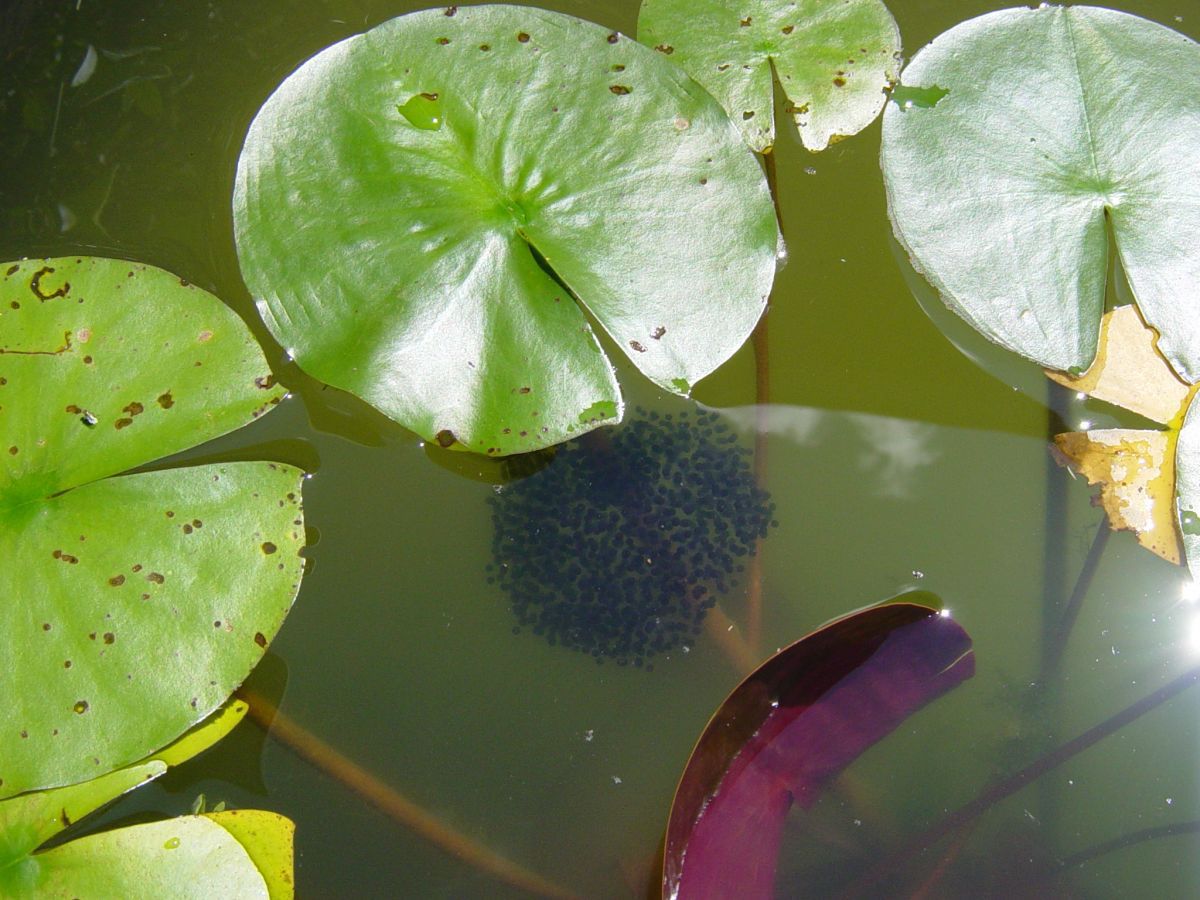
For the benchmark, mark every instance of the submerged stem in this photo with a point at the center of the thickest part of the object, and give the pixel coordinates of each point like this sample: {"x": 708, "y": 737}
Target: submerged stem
{"x": 762, "y": 397}
{"x": 1060, "y": 632}
{"x": 1128, "y": 840}
{"x": 1010, "y": 785}
{"x": 395, "y": 805}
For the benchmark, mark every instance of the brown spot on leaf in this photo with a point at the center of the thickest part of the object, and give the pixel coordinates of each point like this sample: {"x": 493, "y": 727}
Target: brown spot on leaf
{"x": 134, "y": 409}
{"x": 109, "y": 637}
{"x": 80, "y": 707}
{"x": 204, "y": 336}
{"x": 260, "y": 639}
{"x": 665, "y": 48}
{"x": 613, "y": 38}
{"x": 166, "y": 401}
{"x": 636, "y": 346}
{"x": 445, "y": 437}
{"x": 522, "y": 37}
{"x": 745, "y": 23}
{"x": 658, "y": 332}
{"x": 788, "y": 29}
{"x": 450, "y": 11}
{"x": 268, "y": 548}
{"x": 839, "y": 81}
{"x": 619, "y": 89}
{"x": 122, "y": 423}
{"x": 117, "y": 580}
{"x": 155, "y": 577}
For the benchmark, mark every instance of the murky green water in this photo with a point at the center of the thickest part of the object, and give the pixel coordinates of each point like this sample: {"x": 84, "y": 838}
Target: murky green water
{"x": 894, "y": 461}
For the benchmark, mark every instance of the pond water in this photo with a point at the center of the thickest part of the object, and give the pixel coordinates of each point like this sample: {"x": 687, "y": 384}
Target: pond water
{"x": 894, "y": 463}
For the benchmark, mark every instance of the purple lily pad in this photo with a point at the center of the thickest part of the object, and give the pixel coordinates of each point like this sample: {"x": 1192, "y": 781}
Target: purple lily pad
{"x": 789, "y": 727}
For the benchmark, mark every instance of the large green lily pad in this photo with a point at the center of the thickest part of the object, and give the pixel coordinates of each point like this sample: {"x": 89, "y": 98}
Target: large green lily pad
{"x": 1036, "y": 126}
{"x": 133, "y": 605}
{"x": 834, "y": 60}
{"x": 413, "y": 203}
{"x": 238, "y": 853}
{"x": 1187, "y": 485}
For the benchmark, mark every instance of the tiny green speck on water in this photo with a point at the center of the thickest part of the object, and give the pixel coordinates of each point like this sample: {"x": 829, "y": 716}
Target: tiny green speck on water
{"x": 171, "y": 844}
{"x": 1189, "y": 521}
{"x": 422, "y": 111}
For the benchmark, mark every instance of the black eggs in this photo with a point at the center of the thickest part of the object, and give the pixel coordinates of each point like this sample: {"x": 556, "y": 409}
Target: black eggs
{"x": 621, "y": 545}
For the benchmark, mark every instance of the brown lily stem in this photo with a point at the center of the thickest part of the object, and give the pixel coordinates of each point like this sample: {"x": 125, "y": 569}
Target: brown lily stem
{"x": 928, "y": 888}
{"x": 988, "y": 798}
{"x": 724, "y": 632}
{"x": 762, "y": 396}
{"x": 395, "y": 805}
{"x": 1056, "y": 643}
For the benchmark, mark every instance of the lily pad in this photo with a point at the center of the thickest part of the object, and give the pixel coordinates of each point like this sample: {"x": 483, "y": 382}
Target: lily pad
{"x": 792, "y": 725}
{"x": 834, "y": 60}
{"x": 240, "y": 853}
{"x": 1049, "y": 126}
{"x": 190, "y": 856}
{"x": 1187, "y": 485}
{"x": 417, "y": 206}
{"x": 32, "y": 818}
{"x": 135, "y": 604}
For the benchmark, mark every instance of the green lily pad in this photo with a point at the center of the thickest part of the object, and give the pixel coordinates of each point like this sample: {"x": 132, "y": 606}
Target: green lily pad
{"x": 1187, "y": 485}
{"x": 268, "y": 839}
{"x": 1042, "y": 125}
{"x": 834, "y": 60}
{"x": 416, "y": 206}
{"x": 239, "y": 853}
{"x": 30, "y": 819}
{"x": 136, "y": 604}
{"x": 190, "y": 856}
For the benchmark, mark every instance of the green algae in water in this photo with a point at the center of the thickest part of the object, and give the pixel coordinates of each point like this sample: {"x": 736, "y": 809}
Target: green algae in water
{"x": 620, "y": 547}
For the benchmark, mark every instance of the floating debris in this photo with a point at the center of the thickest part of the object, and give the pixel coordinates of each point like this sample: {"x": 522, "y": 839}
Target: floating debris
{"x": 620, "y": 546}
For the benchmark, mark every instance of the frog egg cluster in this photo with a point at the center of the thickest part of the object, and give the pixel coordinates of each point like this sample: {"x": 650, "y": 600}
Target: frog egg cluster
{"x": 622, "y": 544}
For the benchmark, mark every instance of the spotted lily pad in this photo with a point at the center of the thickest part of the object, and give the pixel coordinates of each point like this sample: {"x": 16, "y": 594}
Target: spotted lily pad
{"x": 1039, "y": 130}
{"x": 834, "y": 60}
{"x": 133, "y": 604}
{"x": 417, "y": 207}
{"x": 1187, "y": 485}
{"x": 240, "y": 853}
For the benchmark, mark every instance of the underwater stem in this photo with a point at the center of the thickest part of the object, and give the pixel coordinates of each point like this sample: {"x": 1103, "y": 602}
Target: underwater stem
{"x": 1059, "y": 633}
{"x": 1128, "y": 840}
{"x": 1013, "y": 783}
{"x": 724, "y": 632}
{"x": 762, "y": 396}
{"x": 395, "y": 805}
